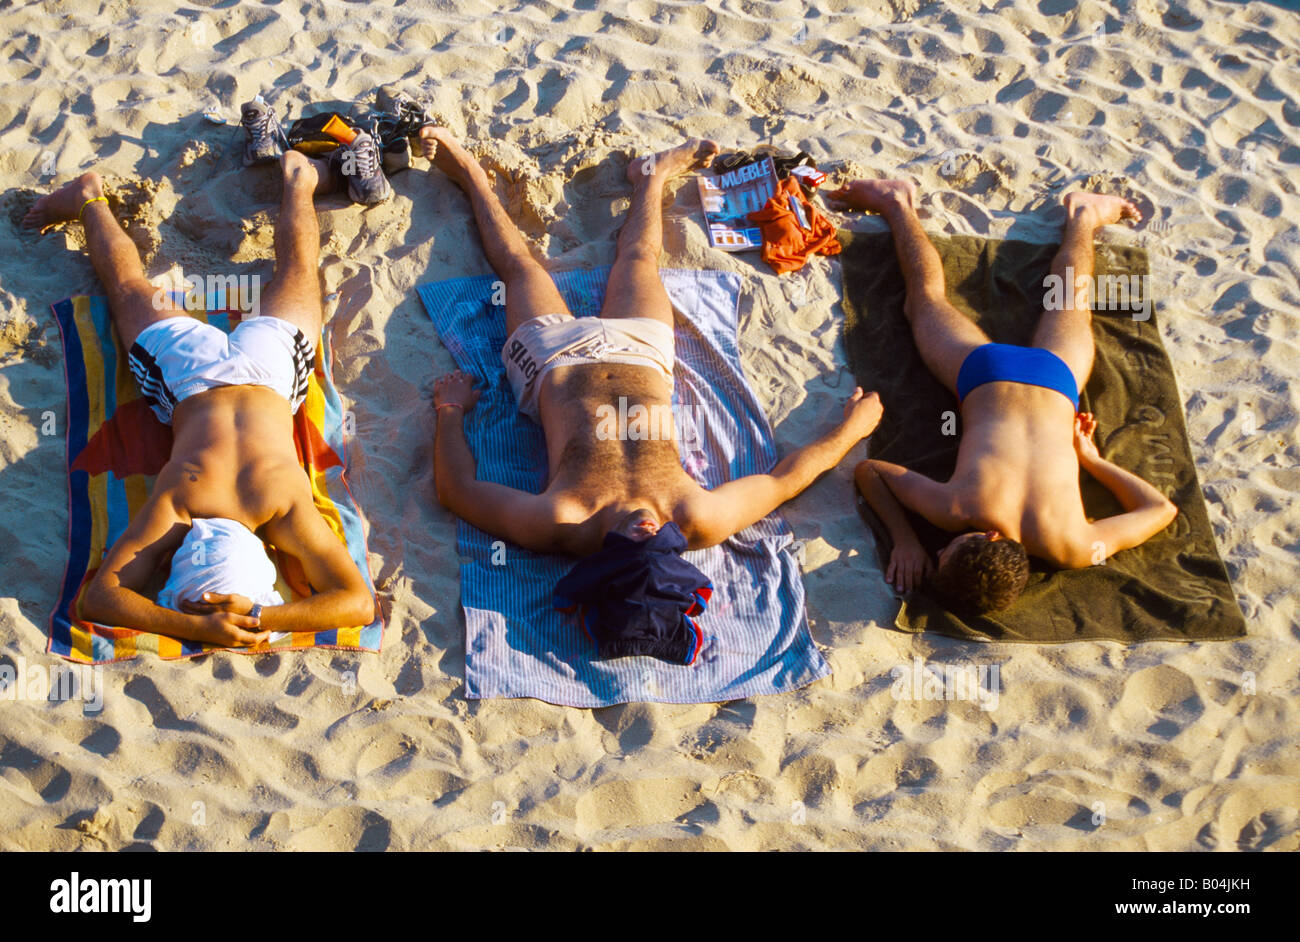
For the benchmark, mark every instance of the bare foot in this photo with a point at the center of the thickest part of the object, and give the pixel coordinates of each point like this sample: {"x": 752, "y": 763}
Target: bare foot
{"x": 65, "y": 203}
{"x": 670, "y": 163}
{"x": 1099, "y": 208}
{"x": 877, "y": 196}
{"x": 448, "y": 154}
{"x": 301, "y": 170}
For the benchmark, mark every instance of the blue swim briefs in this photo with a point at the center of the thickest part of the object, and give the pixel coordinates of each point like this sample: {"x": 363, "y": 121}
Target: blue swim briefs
{"x": 1007, "y": 363}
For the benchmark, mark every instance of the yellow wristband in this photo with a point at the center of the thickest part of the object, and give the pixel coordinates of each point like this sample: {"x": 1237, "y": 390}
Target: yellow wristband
{"x": 93, "y": 199}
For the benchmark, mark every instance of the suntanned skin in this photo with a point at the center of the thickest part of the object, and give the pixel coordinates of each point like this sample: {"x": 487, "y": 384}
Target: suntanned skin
{"x": 232, "y": 451}
{"x": 597, "y": 486}
{"x": 1022, "y": 447}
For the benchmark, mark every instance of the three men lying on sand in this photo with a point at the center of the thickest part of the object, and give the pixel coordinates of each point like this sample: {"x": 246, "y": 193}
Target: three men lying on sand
{"x": 625, "y": 508}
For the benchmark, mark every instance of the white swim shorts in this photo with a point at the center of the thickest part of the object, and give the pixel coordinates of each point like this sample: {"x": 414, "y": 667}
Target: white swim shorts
{"x": 540, "y": 345}
{"x": 179, "y": 357}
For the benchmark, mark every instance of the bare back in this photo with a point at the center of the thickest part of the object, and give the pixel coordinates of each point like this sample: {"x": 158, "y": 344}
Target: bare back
{"x": 233, "y": 456}
{"x": 1017, "y": 471}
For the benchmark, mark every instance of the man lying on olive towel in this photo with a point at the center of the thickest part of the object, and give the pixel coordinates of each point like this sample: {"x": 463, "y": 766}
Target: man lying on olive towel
{"x": 1015, "y": 488}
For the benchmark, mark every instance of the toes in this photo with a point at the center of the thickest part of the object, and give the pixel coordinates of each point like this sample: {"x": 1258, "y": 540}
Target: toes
{"x": 35, "y": 216}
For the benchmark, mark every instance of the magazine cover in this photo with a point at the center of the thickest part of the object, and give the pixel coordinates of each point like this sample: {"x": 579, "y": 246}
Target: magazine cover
{"x": 728, "y": 198}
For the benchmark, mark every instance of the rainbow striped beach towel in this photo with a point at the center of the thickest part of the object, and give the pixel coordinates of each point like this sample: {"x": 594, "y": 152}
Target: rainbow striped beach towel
{"x": 115, "y": 448}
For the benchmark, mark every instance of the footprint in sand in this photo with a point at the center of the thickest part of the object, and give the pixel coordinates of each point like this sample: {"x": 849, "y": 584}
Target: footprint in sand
{"x": 1242, "y": 822}
{"x": 1159, "y": 701}
{"x": 976, "y": 216}
{"x": 812, "y": 779}
{"x": 386, "y": 756}
{"x": 145, "y": 691}
{"x": 1038, "y": 805}
{"x": 350, "y": 828}
{"x": 615, "y": 805}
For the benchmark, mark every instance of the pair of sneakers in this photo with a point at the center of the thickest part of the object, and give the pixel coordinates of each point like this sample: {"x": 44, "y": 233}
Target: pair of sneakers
{"x": 358, "y": 163}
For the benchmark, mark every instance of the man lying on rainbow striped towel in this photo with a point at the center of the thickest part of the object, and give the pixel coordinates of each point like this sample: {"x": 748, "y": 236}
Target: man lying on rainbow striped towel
{"x": 233, "y": 471}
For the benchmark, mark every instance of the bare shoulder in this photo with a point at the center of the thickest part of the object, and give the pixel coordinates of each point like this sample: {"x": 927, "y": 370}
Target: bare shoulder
{"x": 1078, "y": 555}
{"x": 286, "y": 488}
{"x": 1070, "y": 545}
{"x": 1058, "y": 530}
{"x": 294, "y": 517}
{"x": 701, "y": 515}
{"x": 952, "y": 505}
{"x": 164, "y": 511}
{"x": 558, "y": 522}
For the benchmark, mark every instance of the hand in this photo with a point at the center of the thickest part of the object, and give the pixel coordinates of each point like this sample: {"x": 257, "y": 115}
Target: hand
{"x": 862, "y": 413}
{"x": 909, "y": 565}
{"x": 216, "y": 602}
{"x": 230, "y": 630}
{"x": 455, "y": 389}
{"x": 1085, "y": 428}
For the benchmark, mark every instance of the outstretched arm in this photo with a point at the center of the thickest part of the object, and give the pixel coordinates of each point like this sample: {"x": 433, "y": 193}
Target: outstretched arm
{"x": 114, "y": 596}
{"x": 909, "y": 563}
{"x": 717, "y": 514}
{"x": 525, "y": 519}
{"x": 1146, "y": 510}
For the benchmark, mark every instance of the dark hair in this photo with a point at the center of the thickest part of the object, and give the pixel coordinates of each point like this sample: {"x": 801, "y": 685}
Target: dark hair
{"x": 984, "y": 575}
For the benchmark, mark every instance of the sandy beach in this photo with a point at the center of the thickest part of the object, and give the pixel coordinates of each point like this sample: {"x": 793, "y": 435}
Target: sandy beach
{"x": 1191, "y": 109}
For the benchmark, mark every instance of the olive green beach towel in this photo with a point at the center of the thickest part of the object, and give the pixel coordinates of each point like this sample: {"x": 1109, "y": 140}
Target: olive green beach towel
{"x": 1173, "y": 587}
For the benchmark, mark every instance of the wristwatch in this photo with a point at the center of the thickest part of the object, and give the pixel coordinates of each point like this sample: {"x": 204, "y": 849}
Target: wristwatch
{"x": 255, "y": 611}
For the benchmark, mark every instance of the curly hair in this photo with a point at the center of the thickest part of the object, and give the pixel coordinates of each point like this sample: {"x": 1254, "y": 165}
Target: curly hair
{"x": 983, "y": 575}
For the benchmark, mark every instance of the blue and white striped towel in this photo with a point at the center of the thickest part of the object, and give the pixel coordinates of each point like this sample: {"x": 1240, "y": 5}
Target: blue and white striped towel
{"x": 516, "y": 645}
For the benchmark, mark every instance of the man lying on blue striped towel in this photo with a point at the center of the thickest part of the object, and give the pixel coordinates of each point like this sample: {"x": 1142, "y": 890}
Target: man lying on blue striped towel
{"x": 617, "y": 495}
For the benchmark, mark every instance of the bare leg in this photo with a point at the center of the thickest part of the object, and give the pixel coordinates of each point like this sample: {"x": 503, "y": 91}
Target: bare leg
{"x": 1067, "y": 330}
{"x": 634, "y": 288}
{"x": 294, "y": 292}
{"x": 529, "y": 290}
{"x": 133, "y": 301}
{"x": 943, "y": 335}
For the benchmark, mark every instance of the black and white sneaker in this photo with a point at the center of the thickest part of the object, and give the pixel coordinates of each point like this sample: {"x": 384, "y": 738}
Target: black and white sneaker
{"x": 359, "y": 164}
{"x": 264, "y": 138}
{"x": 397, "y": 117}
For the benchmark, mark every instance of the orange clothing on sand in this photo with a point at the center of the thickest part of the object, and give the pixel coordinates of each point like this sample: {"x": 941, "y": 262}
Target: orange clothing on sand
{"x": 786, "y": 244}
